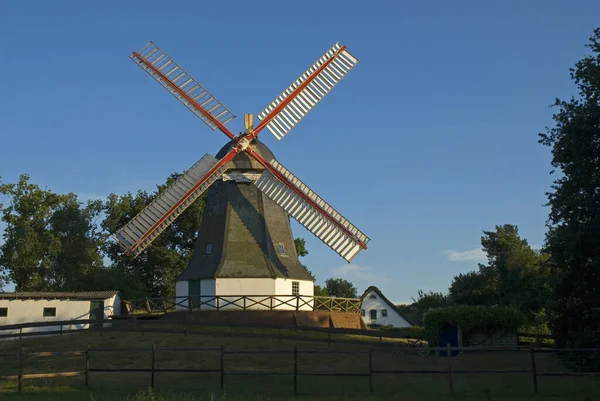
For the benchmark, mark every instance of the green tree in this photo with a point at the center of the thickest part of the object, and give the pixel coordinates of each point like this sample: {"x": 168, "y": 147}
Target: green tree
{"x": 515, "y": 275}
{"x": 321, "y": 291}
{"x": 430, "y": 300}
{"x": 573, "y": 239}
{"x": 338, "y": 287}
{"x": 300, "y": 244}
{"x": 50, "y": 240}
{"x": 153, "y": 272}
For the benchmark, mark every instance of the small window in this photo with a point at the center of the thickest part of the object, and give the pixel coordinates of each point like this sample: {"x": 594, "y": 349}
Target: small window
{"x": 362, "y": 312}
{"x": 208, "y": 249}
{"x": 373, "y": 314}
{"x": 372, "y": 296}
{"x": 3, "y": 312}
{"x": 281, "y": 249}
{"x": 295, "y": 288}
{"x": 49, "y": 312}
{"x": 384, "y": 313}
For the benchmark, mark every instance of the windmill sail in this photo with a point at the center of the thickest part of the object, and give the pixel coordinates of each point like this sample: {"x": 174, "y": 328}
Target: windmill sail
{"x": 309, "y": 89}
{"x": 334, "y": 230}
{"x": 182, "y": 85}
{"x": 140, "y": 231}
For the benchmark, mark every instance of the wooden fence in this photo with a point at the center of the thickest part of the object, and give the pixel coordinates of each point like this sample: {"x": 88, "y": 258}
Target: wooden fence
{"x": 241, "y": 302}
{"x": 295, "y": 353}
{"x": 142, "y": 326}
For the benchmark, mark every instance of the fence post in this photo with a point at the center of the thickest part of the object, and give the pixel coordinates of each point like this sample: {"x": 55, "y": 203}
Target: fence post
{"x": 61, "y": 329}
{"x": 87, "y": 365}
{"x": 295, "y": 369}
{"x": 20, "y": 334}
{"x": 371, "y": 371}
{"x": 534, "y": 370}
{"x": 329, "y": 338}
{"x": 21, "y": 369}
{"x": 222, "y": 368}
{"x": 448, "y": 350}
{"x": 153, "y": 364}
{"x": 186, "y": 322}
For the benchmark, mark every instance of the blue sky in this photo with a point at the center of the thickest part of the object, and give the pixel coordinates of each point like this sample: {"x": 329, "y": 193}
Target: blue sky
{"x": 431, "y": 139}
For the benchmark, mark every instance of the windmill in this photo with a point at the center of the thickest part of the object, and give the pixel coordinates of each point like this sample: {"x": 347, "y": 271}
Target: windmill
{"x": 246, "y": 174}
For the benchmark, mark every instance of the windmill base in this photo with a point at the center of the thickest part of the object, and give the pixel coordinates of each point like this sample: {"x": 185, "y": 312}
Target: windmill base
{"x": 272, "y": 318}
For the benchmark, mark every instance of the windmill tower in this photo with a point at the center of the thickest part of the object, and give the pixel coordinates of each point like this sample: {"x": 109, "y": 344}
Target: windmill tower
{"x": 245, "y": 244}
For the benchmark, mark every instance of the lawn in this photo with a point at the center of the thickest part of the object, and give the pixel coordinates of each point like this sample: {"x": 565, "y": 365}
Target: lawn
{"x": 313, "y": 357}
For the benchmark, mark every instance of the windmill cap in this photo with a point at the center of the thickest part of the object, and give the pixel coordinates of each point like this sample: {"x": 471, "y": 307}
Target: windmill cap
{"x": 243, "y": 161}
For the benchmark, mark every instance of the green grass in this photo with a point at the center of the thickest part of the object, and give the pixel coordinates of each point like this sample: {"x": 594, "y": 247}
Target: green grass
{"x": 206, "y": 386}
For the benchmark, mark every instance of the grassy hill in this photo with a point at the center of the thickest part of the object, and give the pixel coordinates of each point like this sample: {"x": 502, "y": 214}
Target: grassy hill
{"x": 264, "y": 355}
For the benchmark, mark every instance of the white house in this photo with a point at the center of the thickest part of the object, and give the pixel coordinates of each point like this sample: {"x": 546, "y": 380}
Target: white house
{"x": 29, "y": 307}
{"x": 377, "y": 310}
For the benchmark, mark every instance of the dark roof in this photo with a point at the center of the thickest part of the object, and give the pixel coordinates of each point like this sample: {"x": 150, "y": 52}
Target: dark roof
{"x": 391, "y": 304}
{"x": 85, "y": 295}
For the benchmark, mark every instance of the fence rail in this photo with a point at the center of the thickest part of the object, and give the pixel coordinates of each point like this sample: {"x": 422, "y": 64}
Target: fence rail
{"x": 242, "y": 302}
{"x": 296, "y": 352}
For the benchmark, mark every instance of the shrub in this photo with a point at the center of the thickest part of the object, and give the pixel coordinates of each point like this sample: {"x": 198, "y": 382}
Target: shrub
{"x": 471, "y": 319}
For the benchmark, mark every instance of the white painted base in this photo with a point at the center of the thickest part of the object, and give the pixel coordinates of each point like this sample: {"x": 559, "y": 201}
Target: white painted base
{"x": 230, "y": 292}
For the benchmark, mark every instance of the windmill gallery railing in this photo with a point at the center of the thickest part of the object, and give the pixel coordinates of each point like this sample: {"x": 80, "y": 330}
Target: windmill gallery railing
{"x": 242, "y": 302}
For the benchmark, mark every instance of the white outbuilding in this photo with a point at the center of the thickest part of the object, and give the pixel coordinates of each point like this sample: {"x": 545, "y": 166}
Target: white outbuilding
{"x": 30, "y": 307}
{"x": 377, "y": 310}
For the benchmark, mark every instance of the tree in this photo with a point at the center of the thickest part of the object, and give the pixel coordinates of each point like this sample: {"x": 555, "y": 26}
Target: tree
{"x": 300, "y": 244}
{"x": 153, "y": 272}
{"x": 51, "y": 241}
{"x": 338, "y": 287}
{"x": 573, "y": 239}
{"x": 515, "y": 275}
{"x": 474, "y": 288}
{"x": 430, "y": 300}
{"x": 320, "y": 291}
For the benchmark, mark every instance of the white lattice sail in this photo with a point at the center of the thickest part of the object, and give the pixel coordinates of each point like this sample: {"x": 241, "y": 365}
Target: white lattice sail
{"x": 184, "y": 82}
{"x": 343, "y": 241}
{"x": 140, "y": 231}
{"x": 339, "y": 63}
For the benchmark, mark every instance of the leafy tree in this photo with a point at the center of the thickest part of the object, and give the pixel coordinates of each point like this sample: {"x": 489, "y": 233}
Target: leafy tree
{"x": 573, "y": 239}
{"x": 431, "y": 300}
{"x": 300, "y": 244}
{"x": 154, "y": 271}
{"x": 321, "y": 291}
{"x": 50, "y": 240}
{"x": 474, "y": 288}
{"x": 338, "y": 287}
{"x": 516, "y": 275}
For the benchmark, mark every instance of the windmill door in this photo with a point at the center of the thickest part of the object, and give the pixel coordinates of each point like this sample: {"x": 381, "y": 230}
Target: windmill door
{"x": 194, "y": 293}
{"x": 96, "y": 313}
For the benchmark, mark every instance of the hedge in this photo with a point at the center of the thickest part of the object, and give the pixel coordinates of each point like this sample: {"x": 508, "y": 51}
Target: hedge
{"x": 407, "y": 332}
{"x": 471, "y": 319}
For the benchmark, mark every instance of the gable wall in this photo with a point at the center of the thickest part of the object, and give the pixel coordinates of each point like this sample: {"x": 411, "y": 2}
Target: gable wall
{"x": 378, "y": 304}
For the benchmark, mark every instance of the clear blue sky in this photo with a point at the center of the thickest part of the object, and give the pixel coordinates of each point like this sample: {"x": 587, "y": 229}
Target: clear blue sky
{"x": 431, "y": 139}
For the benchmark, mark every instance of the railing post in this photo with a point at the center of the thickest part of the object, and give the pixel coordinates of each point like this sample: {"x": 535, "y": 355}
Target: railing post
{"x": 20, "y": 334}
{"x": 222, "y": 368}
{"x": 534, "y": 370}
{"x": 448, "y": 350}
{"x": 153, "y": 365}
{"x": 295, "y": 369}
{"x": 21, "y": 369}
{"x": 87, "y": 365}
{"x": 186, "y": 322}
{"x": 61, "y": 329}
{"x": 371, "y": 372}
